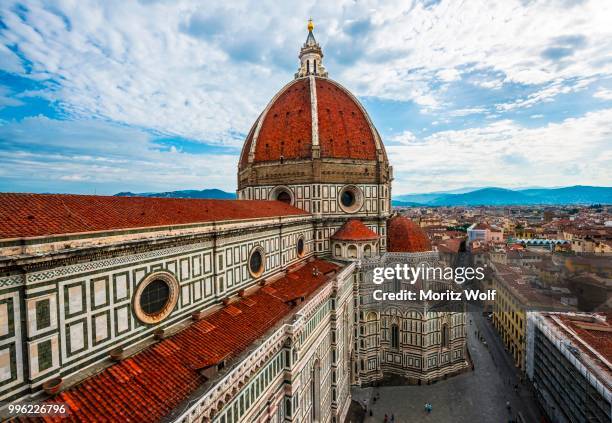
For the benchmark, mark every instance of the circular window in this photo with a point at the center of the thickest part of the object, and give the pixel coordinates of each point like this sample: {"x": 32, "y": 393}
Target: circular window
{"x": 347, "y": 198}
{"x": 281, "y": 193}
{"x": 300, "y": 247}
{"x": 256, "y": 262}
{"x": 284, "y": 197}
{"x": 350, "y": 199}
{"x": 155, "y": 297}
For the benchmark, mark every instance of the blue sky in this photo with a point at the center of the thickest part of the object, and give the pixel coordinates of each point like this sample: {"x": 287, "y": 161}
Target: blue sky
{"x": 104, "y": 97}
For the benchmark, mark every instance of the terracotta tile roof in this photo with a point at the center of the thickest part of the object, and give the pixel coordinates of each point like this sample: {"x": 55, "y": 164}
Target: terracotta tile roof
{"x": 405, "y": 236}
{"x": 593, "y": 330}
{"x": 30, "y": 215}
{"x": 149, "y": 385}
{"x": 597, "y": 334}
{"x": 516, "y": 280}
{"x": 344, "y": 131}
{"x": 354, "y": 230}
{"x": 452, "y": 245}
{"x": 286, "y": 129}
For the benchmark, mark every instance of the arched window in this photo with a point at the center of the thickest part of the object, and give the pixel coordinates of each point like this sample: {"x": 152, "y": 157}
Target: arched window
{"x": 394, "y": 336}
{"x": 445, "y": 336}
{"x": 352, "y": 251}
{"x": 338, "y": 250}
{"x": 372, "y": 324}
{"x": 315, "y": 393}
{"x": 367, "y": 251}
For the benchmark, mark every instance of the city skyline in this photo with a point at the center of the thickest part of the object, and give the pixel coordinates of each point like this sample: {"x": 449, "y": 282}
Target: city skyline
{"x": 160, "y": 96}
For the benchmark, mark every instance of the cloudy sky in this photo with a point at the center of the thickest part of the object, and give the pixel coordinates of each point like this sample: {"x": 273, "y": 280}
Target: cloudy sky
{"x": 108, "y": 96}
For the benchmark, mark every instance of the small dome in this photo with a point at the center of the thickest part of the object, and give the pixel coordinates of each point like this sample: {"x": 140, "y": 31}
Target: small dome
{"x": 405, "y": 236}
{"x": 354, "y": 230}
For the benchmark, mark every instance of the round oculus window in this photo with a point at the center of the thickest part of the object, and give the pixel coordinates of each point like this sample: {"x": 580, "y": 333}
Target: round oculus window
{"x": 281, "y": 193}
{"x": 350, "y": 199}
{"x": 284, "y": 196}
{"x": 300, "y": 247}
{"x": 256, "y": 262}
{"x": 155, "y": 297}
{"x": 347, "y": 198}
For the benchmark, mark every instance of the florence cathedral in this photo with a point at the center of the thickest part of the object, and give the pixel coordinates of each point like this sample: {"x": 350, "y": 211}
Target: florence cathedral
{"x": 258, "y": 309}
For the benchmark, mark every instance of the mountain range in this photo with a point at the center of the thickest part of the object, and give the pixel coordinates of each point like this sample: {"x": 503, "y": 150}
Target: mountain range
{"x": 493, "y": 196}
{"x": 188, "y": 193}
{"x": 578, "y": 194}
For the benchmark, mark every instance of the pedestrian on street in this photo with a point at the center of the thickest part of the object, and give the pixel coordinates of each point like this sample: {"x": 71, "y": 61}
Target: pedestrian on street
{"x": 392, "y": 418}
{"x": 386, "y": 418}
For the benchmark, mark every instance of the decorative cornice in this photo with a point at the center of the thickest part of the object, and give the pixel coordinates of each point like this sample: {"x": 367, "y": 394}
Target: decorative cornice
{"x": 14, "y": 280}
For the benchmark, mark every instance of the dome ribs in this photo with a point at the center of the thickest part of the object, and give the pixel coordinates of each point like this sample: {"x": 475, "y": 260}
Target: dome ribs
{"x": 285, "y": 127}
{"x": 286, "y": 130}
{"x": 344, "y": 131}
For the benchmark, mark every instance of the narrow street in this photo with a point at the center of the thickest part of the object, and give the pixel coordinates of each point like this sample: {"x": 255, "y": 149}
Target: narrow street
{"x": 502, "y": 360}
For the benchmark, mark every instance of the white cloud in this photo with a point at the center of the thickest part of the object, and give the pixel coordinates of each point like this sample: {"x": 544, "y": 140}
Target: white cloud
{"x": 448, "y": 75}
{"x": 180, "y": 68}
{"x": 504, "y": 153}
{"x": 547, "y": 94}
{"x": 405, "y": 137}
{"x": 88, "y": 156}
{"x": 467, "y": 111}
{"x": 603, "y": 94}
{"x": 207, "y": 72}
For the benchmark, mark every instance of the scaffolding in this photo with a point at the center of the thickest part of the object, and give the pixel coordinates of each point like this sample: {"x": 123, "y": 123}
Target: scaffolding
{"x": 562, "y": 339}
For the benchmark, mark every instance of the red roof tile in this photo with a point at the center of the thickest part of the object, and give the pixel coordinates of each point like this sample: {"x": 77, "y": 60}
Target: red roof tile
{"x": 344, "y": 131}
{"x": 286, "y": 129}
{"x": 405, "y": 236}
{"x": 597, "y": 334}
{"x": 354, "y": 230}
{"x": 149, "y": 385}
{"x": 30, "y": 215}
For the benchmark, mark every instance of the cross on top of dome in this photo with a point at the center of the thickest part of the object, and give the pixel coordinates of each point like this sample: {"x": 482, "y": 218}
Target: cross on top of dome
{"x": 311, "y": 56}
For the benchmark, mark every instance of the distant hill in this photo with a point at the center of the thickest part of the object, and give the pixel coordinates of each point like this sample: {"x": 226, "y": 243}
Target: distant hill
{"x": 480, "y": 197}
{"x": 397, "y": 203}
{"x": 500, "y": 196}
{"x": 190, "y": 193}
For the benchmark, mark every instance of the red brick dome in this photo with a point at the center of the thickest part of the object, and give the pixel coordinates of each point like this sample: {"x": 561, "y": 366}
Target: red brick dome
{"x": 405, "y": 236}
{"x": 284, "y": 131}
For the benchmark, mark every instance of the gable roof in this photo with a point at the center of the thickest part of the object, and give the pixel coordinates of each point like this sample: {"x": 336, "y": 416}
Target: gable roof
{"x": 32, "y": 215}
{"x": 152, "y": 383}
